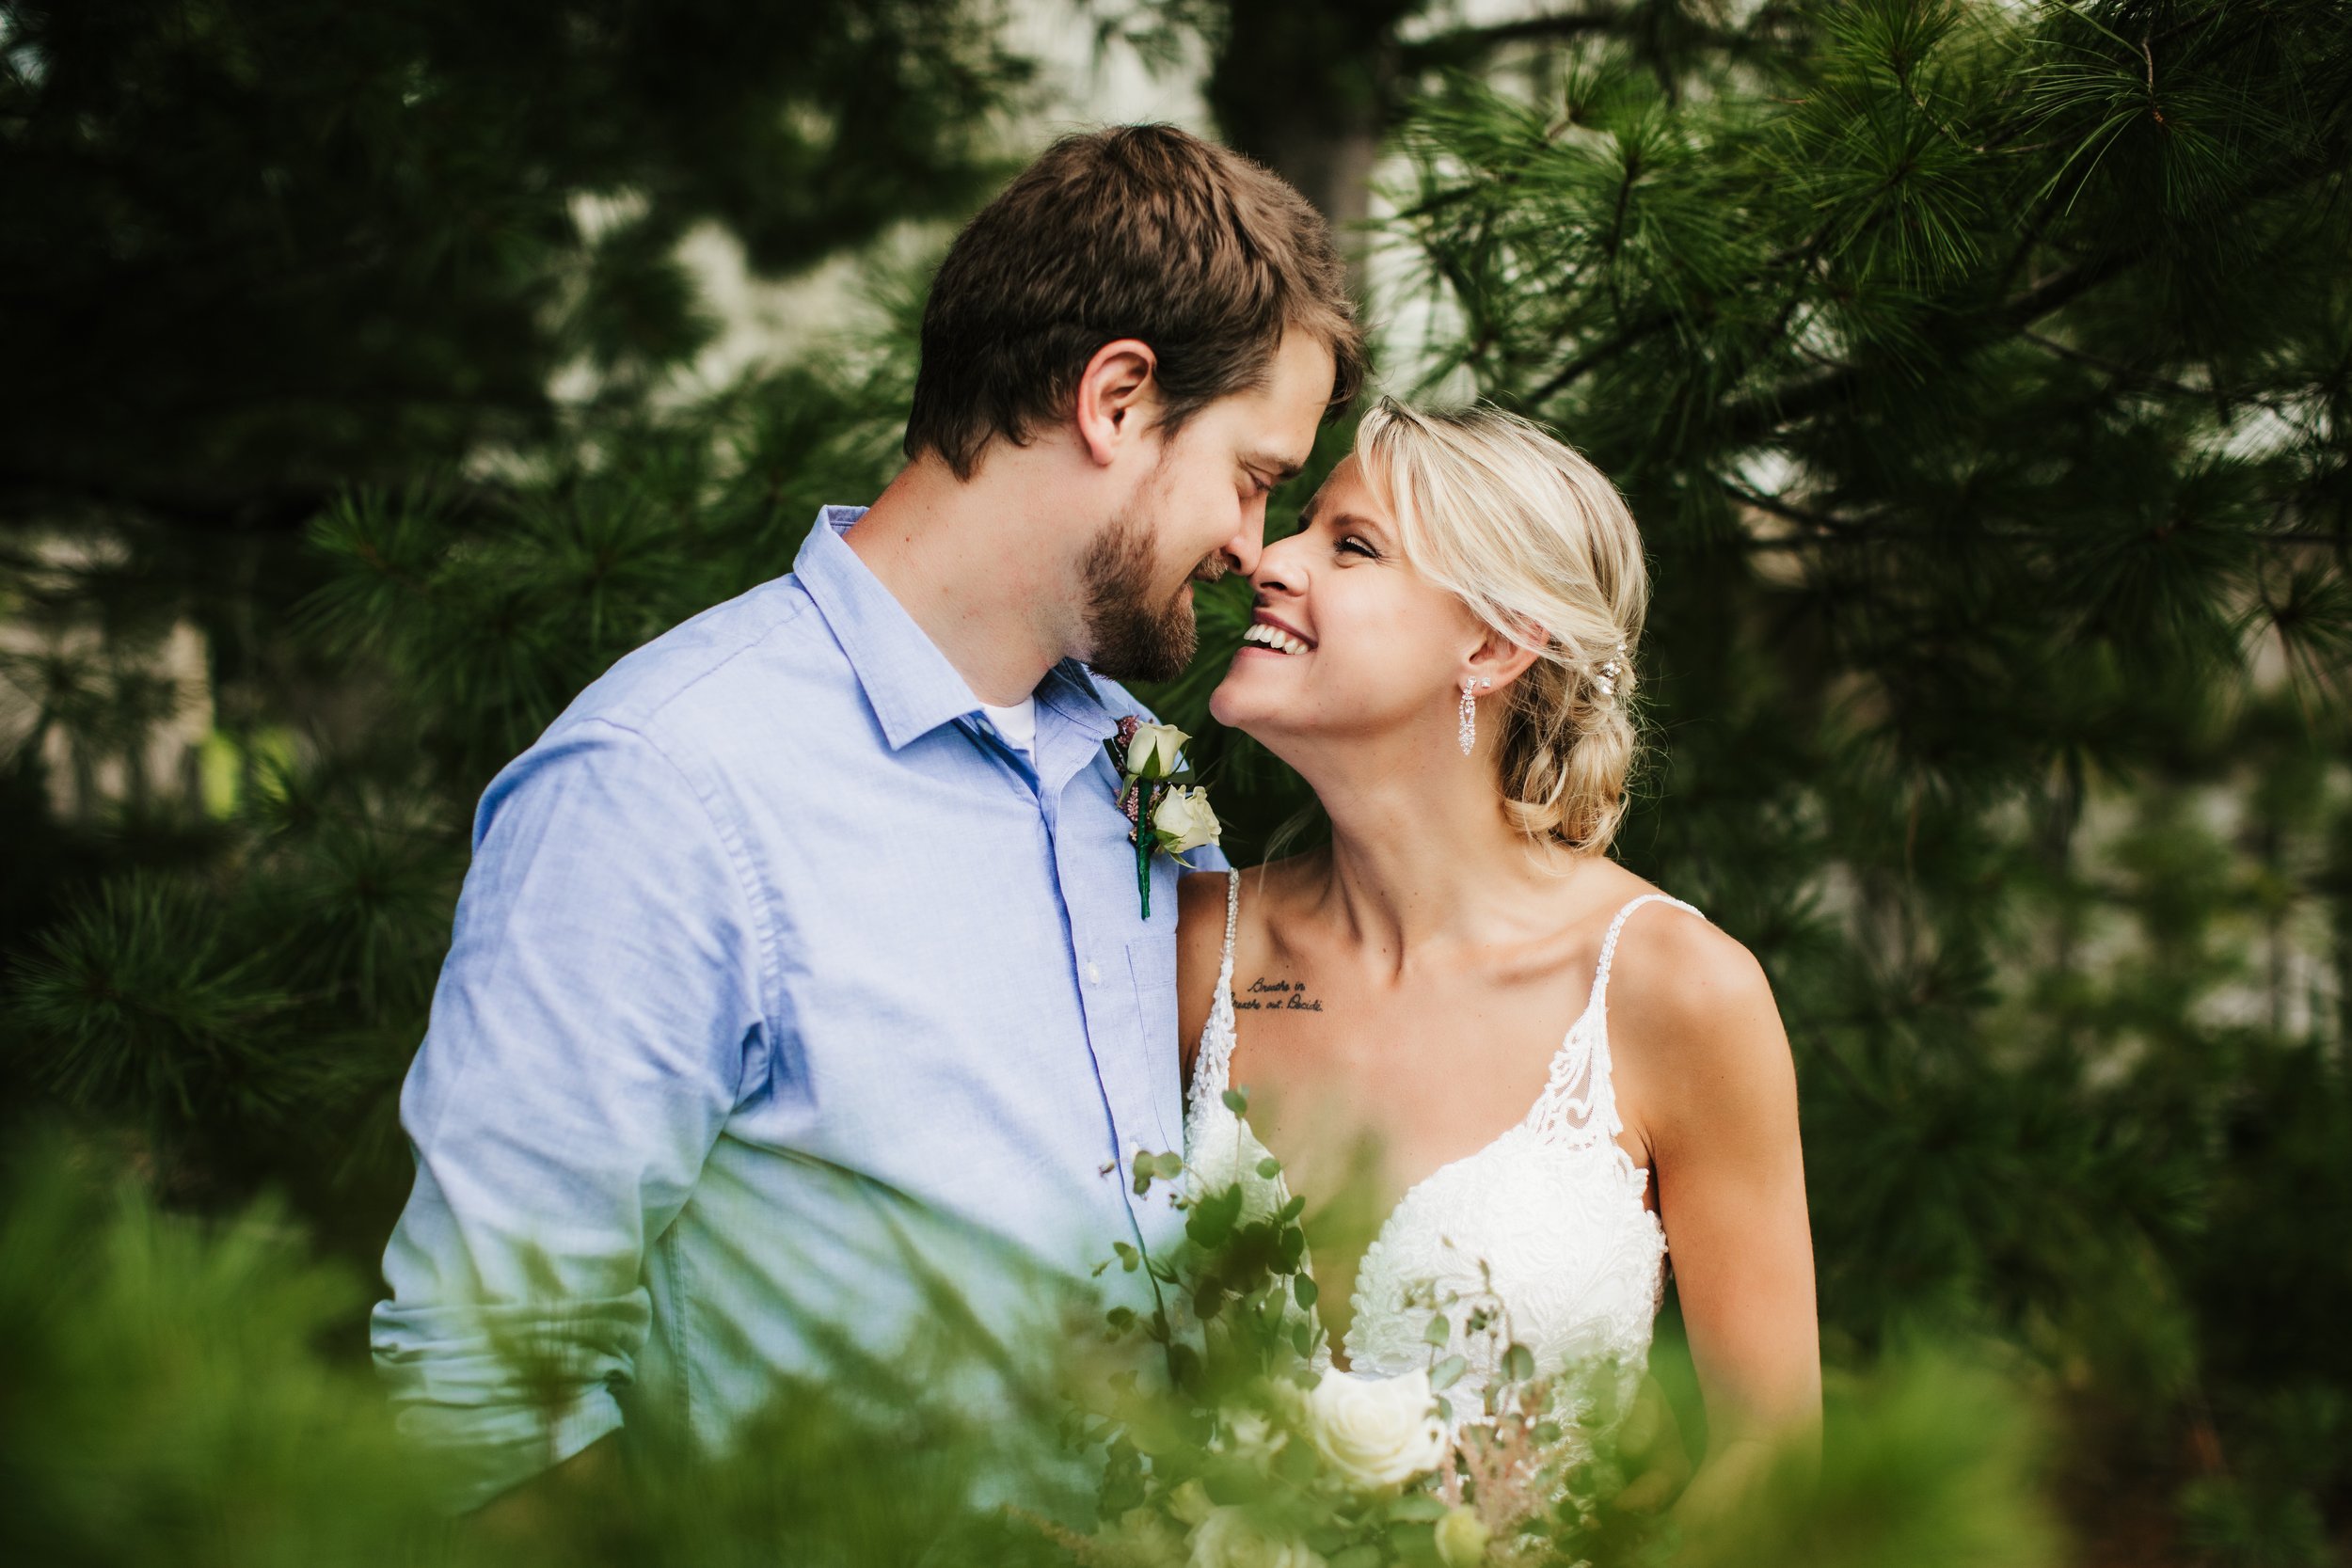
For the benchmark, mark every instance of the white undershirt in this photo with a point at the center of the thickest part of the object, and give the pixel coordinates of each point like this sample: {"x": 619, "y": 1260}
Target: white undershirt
{"x": 1017, "y": 724}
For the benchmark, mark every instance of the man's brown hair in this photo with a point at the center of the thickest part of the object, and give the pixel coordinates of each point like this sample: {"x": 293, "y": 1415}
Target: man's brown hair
{"x": 1141, "y": 232}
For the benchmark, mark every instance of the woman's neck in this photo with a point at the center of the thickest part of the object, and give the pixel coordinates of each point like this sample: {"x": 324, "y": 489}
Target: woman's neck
{"x": 1424, "y": 864}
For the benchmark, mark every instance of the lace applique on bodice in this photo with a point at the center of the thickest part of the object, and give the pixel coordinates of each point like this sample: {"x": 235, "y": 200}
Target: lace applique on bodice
{"x": 1543, "y": 1233}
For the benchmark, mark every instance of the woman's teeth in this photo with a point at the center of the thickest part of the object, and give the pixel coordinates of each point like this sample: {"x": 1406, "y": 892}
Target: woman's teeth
{"x": 1274, "y": 638}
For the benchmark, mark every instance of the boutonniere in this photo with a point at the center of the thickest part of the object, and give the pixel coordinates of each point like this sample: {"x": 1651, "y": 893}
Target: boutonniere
{"x": 1170, "y": 813}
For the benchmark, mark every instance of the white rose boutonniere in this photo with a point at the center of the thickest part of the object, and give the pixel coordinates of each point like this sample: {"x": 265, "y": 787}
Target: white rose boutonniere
{"x": 1184, "y": 820}
{"x": 1376, "y": 1432}
{"x": 1154, "y": 750}
{"x": 1170, "y": 814}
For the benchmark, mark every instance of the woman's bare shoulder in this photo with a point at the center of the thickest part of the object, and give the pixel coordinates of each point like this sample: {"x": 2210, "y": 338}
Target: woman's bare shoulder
{"x": 1692, "y": 1011}
{"x": 1684, "y": 971}
{"x": 1199, "y": 945}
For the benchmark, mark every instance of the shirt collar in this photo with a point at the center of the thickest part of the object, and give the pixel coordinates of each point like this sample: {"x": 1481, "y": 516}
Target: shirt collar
{"x": 911, "y": 686}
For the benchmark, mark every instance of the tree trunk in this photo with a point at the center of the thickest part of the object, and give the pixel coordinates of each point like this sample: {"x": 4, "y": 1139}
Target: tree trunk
{"x": 1307, "y": 88}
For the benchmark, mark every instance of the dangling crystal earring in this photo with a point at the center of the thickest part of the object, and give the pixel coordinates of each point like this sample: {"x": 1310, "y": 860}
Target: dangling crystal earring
{"x": 1468, "y": 733}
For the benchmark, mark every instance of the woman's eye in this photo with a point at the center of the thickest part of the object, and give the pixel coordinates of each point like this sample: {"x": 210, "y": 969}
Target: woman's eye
{"x": 1360, "y": 547}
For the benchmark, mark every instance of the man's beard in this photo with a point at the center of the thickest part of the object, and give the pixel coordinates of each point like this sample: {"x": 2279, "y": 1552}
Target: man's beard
{"x": 1133, "y": 639}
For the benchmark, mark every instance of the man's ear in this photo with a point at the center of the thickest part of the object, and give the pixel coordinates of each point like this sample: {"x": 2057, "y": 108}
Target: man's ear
{"x": 1118, "y": 398}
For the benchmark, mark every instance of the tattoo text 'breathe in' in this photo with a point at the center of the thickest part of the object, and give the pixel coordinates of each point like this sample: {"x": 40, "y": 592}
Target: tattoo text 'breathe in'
{"x": 1265, "y": 994}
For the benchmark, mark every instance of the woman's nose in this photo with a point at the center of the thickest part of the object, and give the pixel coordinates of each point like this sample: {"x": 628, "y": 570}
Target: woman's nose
{"x": 1280, "y": 569}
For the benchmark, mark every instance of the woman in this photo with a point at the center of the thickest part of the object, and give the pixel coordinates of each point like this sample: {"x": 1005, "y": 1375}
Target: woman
{"x": 1563, "y": 1073}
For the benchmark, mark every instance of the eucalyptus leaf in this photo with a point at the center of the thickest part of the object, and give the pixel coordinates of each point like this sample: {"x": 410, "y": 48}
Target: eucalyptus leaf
{"x": 1212, "y": 1219}
{"x": 1412, "y": 1542}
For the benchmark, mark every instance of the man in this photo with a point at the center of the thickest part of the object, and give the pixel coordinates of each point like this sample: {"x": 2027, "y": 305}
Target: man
{"x": 826, "y": 894}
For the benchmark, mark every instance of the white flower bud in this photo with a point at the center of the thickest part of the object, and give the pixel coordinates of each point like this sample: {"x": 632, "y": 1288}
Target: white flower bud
{"x": 1462, "y": 1537}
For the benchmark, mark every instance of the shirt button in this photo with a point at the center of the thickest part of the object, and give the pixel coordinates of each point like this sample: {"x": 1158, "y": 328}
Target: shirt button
{"x": 1095, "y": 973}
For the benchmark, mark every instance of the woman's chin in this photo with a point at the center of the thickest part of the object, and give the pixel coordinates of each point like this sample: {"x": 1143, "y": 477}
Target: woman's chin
{"x": 1222, "y": 704}
{"x": 1253, "y": 713}
{"x": 1234, "y": 704}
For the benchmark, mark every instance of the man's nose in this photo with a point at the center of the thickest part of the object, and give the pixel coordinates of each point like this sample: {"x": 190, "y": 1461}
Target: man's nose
{"x": 1248, "y": 545}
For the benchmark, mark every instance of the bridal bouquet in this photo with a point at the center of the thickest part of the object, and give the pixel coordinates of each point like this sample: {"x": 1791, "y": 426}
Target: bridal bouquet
{"x": 1234, "y": 1444}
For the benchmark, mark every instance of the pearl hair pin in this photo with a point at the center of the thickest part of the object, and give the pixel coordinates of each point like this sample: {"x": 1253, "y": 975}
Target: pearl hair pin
{"x": 1607, "y": 679}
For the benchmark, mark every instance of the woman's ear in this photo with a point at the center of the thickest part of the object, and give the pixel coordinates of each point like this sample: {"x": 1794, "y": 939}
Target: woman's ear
{"x": 1498, "y": 660}
{"x": 1118, "y": 398}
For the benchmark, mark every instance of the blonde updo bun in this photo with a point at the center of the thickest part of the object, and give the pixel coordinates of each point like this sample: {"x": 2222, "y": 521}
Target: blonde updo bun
{"x": 1540, "y": 545}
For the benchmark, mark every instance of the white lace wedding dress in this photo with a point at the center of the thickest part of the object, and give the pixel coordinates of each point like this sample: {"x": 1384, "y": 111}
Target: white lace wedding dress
{"x": 1544, "y": 1228}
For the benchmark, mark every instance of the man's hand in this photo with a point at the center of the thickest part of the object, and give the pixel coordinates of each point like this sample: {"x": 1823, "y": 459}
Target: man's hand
{"x": 534, "y": 1512}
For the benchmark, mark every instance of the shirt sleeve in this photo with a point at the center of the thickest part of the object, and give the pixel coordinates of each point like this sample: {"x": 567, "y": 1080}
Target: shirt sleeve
{"x": 589, "y": 1038}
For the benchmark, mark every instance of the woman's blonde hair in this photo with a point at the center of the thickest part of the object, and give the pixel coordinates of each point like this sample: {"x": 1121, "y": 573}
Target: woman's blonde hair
{"x": 1541, "y": 547}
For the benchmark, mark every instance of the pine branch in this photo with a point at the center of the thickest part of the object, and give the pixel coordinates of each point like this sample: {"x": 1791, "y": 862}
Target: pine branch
{"x": 1844, "y": 529}
{"x": 1748, "y": 420}
{"x": 1467, "y": 46}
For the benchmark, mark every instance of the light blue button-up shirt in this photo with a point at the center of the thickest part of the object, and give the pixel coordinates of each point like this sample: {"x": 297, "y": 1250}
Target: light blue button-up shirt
{"x": 778, "y": 979}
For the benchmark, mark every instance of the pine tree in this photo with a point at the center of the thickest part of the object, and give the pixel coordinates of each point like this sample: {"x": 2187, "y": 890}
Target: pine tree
{"x": 1980, "y": 375}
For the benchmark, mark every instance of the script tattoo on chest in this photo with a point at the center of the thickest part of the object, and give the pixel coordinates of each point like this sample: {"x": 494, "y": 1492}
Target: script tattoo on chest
{"x": 1266, "y": 995}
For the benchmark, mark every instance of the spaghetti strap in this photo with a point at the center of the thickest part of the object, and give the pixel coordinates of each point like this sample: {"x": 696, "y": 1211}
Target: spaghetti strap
{"x": 1600, "y": 1002}
{"x": 1580, "y": 1101}
{"x": 1232, "y": 923}
{"x": 1212, "y": 1064}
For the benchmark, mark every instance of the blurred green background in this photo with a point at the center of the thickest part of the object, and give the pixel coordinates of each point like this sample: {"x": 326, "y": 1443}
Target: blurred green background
{"x": 1981, "y": 374}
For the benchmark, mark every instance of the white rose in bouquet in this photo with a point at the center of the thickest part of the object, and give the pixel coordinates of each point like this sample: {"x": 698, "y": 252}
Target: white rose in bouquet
{"x": 1142, "y": 1537}
{"x": 1229, "y": 1538}
{"x": 1184, "y": 820}
{"x": 1376, "y": 1432}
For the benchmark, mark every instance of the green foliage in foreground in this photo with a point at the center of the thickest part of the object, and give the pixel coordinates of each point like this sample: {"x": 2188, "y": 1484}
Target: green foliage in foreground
{"x": 168, "y": 1402}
